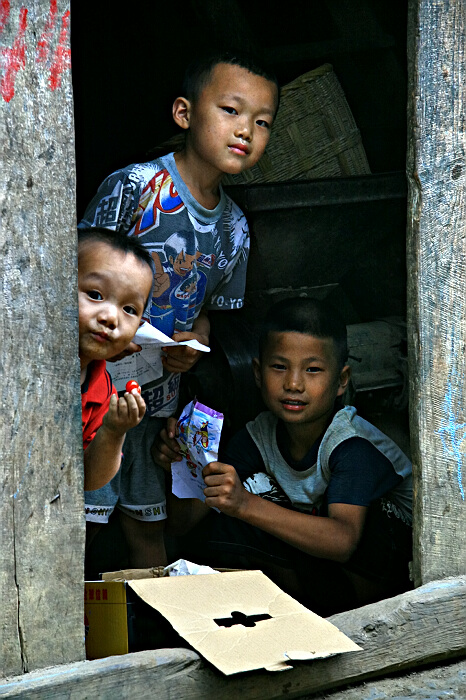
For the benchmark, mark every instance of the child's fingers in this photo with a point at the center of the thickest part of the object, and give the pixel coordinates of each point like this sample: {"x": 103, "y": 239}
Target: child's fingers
{"x": 217, "y": 468}
{"x": 131, "y": 408}
{"x": 221, "y": 477}
{"x": 163, "y": 453}
{"x": 180, "y": 359}
{"x": 141, "y": 404}
{"x": 224, "y": 490}
{"x": 112, "y": 413}
{"x": 172, "y": 430}
{"x": 166, "y": 436}
{"x": 168, "y": 446}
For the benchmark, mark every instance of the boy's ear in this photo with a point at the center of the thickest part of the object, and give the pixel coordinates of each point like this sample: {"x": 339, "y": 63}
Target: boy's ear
{"x": 345, "y": 375}
{"x": 256, "y": 366}
{"x": 181, "y": 112}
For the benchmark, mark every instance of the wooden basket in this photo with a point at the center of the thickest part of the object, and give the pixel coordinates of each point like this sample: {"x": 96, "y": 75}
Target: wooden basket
{"x": 314, "y": 135}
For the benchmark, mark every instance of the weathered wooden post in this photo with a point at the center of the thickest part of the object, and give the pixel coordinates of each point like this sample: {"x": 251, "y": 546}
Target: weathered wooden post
{"x": 41, "y": 506}
{"x": 437, "y": 283}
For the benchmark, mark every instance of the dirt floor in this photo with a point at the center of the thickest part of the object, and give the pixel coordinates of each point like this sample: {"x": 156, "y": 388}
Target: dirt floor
{"x": 445, "y": 682}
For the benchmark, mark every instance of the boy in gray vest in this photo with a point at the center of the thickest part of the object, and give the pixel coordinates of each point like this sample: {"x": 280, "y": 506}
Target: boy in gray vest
{"x": 309, "y": 491}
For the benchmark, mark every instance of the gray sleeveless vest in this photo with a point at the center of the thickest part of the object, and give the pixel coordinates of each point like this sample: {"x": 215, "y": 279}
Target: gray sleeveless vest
{"x": 306, "y": 489}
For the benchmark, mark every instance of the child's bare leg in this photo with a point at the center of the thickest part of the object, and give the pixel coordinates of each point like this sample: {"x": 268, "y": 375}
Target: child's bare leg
{"x": 145, "y": 542}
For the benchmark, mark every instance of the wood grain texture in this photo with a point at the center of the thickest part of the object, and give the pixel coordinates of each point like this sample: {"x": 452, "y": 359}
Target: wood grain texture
{"x": 416, "y": 628}
{"x": 41, "y": 506}
{"x": 436, "y": 259}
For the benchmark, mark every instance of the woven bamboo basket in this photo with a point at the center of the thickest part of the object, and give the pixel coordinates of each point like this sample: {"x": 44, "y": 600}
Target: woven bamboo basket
{"x": 314, "y": 135}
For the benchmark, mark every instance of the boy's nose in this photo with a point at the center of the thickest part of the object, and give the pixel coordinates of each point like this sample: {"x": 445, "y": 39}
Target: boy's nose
{"x": 243, "y": 130}
{"x": 108, "y": 316}
{"x": 293, "y": 381}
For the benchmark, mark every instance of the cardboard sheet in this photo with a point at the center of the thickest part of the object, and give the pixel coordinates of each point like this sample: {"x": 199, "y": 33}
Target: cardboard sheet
{"x": 268, "y": 628}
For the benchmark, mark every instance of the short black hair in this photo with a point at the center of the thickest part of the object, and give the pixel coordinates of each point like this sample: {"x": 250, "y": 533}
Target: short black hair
{"x": 198, "y": 72}
{"x": 308, "y": 316}
{"x": 122, "y": 242}
{"x": 117, "y": 241}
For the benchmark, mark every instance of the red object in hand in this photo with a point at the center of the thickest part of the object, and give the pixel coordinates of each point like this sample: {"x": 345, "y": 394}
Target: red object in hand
{"x": 132, "y": 384}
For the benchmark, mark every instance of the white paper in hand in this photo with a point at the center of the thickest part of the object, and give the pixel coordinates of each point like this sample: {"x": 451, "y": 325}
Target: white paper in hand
{"x": 146, "y": 366}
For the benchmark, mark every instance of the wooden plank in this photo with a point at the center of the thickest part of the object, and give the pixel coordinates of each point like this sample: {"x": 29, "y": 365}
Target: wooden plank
{"x": 444, "y": 680}
{"x": 416, "y": 628}
{"x": 436, "y": 261}
{"x": 319, "y": 193}
{"x": 41, "y": 508}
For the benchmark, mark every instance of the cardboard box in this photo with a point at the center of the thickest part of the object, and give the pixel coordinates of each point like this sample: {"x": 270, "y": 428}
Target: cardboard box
{"x": 239, "y": 621}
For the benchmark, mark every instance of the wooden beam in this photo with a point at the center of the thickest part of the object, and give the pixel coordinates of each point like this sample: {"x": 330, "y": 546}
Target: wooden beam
{"x": 41, "y": 504}
{"x": 436, "y": 261}
{"x": 319, "y": 193}
{"x": 424, "y": 625}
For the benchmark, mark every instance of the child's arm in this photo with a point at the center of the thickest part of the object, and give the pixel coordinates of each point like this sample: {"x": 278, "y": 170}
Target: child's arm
{"x": 334, "y": 537}
{"x": 102, "y": 457}
{"x": 180, "y": 359}
{"x": 183, "y": 513}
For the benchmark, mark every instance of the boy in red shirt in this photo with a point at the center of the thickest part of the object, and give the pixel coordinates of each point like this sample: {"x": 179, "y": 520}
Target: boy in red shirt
{"x": 114, "y": 284}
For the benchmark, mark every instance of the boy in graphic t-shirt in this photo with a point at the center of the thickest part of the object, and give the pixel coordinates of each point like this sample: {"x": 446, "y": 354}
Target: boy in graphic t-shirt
{"x": 199, "y": 241}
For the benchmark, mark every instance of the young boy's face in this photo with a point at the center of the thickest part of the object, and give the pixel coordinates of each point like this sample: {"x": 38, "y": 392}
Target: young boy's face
{"x": 230, "y": 122}
{"x": 113, "y": 287}
{"x": 299, "y": 378}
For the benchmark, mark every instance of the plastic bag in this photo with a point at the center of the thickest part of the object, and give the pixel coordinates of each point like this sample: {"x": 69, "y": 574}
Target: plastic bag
{"x": 200, "y": 428}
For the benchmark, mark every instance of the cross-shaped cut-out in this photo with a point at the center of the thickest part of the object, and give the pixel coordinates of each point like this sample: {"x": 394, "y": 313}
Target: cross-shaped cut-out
{"x": 239, "y": 618}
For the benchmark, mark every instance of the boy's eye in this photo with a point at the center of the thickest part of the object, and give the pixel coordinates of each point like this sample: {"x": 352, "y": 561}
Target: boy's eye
{"x": 94, "y": 294}
{"x": 131, "y": 310}
{"x": 313, "y": 369}
{"x": 264, "y": 123}
{"x": 230, "y": 110}
{"x": 277, "y": 365}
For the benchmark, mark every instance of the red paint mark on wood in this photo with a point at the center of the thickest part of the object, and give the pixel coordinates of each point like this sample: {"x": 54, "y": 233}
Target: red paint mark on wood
{"x": 43, "y": 47}
{"x": 4, "y": 13}
{"x": 62, "y": 57}
{"x": 14, "y": 58}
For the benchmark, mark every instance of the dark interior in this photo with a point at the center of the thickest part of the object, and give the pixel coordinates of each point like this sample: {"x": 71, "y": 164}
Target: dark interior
{"x": 340, "y": 238}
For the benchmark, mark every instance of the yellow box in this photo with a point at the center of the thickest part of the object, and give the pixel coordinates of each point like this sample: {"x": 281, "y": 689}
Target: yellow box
{"x": 106, "y": 618}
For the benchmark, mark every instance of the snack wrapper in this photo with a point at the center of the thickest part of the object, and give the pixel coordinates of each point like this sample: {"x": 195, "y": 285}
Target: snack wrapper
{"x": 200, "y": 428}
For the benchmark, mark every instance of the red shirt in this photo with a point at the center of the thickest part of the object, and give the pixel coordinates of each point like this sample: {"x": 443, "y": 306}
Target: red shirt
{"x": 95, "y": 398}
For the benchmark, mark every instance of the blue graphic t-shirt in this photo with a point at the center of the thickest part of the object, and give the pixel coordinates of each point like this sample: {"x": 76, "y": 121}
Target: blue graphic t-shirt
{"x": 200, "y": 255}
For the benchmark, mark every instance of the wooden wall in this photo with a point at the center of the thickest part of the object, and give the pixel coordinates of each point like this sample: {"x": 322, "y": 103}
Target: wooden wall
{"x": 436, "y": 261}
{"x": 41, "y": 506}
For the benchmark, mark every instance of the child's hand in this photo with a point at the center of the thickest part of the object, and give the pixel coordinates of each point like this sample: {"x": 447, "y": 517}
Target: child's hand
{"x": 129, "y": 350}
{"x": 124, "y": 413}
{"x": 224, "y": 489}
{"x": 182, "y": 358}
{"x": 165, "y": 448}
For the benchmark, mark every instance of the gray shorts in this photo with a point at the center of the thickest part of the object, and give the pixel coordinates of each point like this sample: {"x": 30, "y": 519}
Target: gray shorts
{"x": 138, "y": 489}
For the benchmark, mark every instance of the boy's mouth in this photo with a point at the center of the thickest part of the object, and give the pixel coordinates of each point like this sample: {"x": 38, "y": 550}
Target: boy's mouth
{"x": 292, "y": 404}
{"x": 239, "y": 148}
{"x": 100, "y": 336}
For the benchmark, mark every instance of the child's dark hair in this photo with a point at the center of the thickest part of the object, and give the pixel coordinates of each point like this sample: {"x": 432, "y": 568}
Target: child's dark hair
{"x": 308, "y": 316}
{"x": 198, "y": 72}
{"x": 118, "y": 241}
